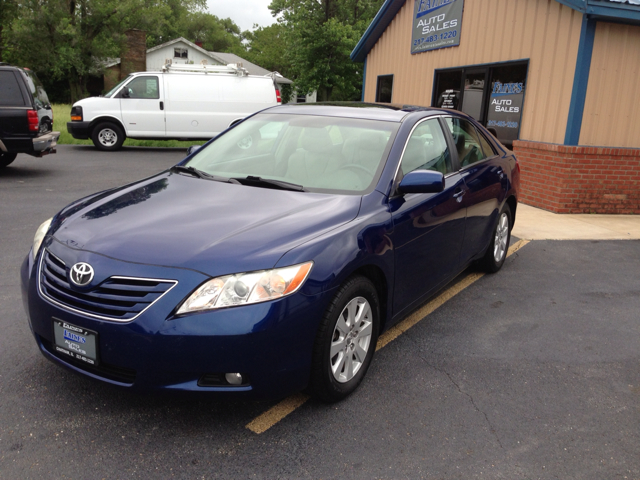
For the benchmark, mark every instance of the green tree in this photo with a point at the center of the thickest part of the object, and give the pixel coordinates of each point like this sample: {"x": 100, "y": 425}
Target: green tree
{"x": 8, "y": 11}
{"x": 266, "y": 47}
{"x": 76, "y": 37}
{"x": 319, "y": 37}
{"x": 216, "y": 34}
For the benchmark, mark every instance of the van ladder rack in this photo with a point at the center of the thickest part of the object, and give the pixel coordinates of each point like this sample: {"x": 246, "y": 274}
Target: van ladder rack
{"x": 232, "y": 69}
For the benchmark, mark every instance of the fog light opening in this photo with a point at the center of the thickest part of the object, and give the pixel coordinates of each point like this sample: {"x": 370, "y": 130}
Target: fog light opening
{"x": 234, "y": 378}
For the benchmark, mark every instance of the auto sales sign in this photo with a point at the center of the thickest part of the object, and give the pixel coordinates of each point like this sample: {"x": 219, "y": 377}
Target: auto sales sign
{"x": 436, "y": 24}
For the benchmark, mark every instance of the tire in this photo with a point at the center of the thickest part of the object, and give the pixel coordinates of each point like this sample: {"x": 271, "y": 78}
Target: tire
{"x": 349, "y": 330}
{"x": 496, "y": 254}
{"x": 107, "y": 136}
{"x": 6, "y": 158}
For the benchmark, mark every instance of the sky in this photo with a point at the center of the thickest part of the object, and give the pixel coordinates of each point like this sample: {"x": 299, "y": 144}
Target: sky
{"x": 244, "y": 12}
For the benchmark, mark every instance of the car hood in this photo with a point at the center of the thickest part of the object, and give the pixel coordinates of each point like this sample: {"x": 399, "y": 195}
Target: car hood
{"x": 216, "y": 228}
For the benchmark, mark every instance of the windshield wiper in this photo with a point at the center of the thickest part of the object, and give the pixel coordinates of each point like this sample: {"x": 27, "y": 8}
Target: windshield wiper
{"x": 200, "y": 174}
{"x": 269, "y": 183}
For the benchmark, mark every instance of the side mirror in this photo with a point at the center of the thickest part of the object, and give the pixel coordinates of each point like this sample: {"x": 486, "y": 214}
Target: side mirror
{"x": 193, "y": 149}
{"x": 422, "y": 181}
{"x": 124, "y": 93}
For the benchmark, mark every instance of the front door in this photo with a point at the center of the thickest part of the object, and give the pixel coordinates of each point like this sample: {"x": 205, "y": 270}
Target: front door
{"x": 142, "y": 107}
{"x": 428, "y": 229}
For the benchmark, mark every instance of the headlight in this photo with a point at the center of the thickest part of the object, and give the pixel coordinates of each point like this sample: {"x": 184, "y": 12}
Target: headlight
{"x": 244, "y": 288}
{"x": 39, "y": 237}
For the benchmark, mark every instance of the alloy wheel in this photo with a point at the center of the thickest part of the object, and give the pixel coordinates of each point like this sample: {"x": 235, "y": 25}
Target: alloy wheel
{"x": 351, "y": 339}
{"x": 502, "y": 235}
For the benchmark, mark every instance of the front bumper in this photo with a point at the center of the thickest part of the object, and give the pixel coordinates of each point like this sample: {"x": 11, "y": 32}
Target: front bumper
{"x": 269, "y": 343}
{"x": 79, "y": 130}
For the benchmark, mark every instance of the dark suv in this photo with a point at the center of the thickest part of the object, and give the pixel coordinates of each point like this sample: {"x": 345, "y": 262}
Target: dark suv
{"x": 26, "y": 117}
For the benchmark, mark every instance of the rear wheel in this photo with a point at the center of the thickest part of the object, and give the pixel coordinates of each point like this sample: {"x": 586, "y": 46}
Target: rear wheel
{"x": 497, "y": 252}
{"x": 346, "y": 341}
{"x": 6, "y": 158}
{"x": 107, "y": 136}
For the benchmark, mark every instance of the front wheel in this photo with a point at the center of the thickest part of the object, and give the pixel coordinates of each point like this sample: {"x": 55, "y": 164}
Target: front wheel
{"x": 497, "y": 252}
{"x": 6, "y": 158}
{"x": 346, "y": 341}
{"x": 107, "y": 136}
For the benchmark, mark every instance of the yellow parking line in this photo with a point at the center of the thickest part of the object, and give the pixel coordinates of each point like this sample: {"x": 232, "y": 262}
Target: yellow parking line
{"x": 276, "y": 413}
{"x": 272, "y": 416}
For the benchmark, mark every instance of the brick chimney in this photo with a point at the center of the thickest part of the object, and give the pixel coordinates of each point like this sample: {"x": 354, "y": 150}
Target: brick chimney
{"x": 198, "y": 43}
{"x": 134, "y": 55}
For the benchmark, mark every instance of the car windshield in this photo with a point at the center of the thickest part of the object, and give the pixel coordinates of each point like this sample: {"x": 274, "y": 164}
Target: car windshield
{"x": 324, "y": 154}
{"x": 117, "y": 87}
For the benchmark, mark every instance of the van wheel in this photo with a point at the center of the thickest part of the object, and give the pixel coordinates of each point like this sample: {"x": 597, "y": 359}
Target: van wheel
{"x": 107, "y": 136}
{"x": 6, "y": 158}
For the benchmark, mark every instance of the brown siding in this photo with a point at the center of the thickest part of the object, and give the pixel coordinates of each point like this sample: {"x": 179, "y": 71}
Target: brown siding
{"x": 544, "y": 31}
{"x": 612, "y": 114}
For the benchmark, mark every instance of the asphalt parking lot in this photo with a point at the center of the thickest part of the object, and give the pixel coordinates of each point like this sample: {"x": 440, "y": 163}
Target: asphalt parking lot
{"x": 530, "y": 373}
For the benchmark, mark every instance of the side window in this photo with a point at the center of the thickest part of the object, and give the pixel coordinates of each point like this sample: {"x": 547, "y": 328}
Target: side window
{"x": 466, "y": 140}
{"x": 426, "y": 149}
{"x": 143, "y": 87}
{"x": 486, "y": 146}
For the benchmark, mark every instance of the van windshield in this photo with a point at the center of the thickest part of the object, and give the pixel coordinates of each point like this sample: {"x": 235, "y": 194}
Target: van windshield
{"x": 322, "y": 154}
{"x": 111, "y": 92}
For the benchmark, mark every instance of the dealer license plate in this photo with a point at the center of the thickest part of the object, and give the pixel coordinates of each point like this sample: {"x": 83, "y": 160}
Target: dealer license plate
{"x": 76, "y": 342}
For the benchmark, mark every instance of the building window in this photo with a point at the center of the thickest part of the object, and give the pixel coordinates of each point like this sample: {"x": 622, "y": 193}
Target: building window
{"x": 385, "y": 88}
{"x": 492, "y": 94}
{"x": 180, "y": 53}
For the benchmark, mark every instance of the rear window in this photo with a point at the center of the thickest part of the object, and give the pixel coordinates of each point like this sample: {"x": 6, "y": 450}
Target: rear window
{"x": 37, "y": 90}
{"x": 10, "y": 93}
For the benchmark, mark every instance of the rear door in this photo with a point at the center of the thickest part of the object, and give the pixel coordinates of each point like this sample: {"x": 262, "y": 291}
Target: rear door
{"x": 13, "y": 105}
{"x": 142, "y": 107}
{"x": 428, "y": 228}
{"x": 484, "y": 175}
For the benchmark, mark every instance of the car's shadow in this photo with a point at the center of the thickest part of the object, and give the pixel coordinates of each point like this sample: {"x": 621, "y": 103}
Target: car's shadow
{"x": 16, "y": 172}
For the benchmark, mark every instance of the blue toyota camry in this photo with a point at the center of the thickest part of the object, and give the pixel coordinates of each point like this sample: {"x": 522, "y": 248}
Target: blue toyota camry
{"x": 270, "y": 260}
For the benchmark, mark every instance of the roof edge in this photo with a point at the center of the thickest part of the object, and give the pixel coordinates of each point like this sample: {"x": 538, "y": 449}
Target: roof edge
{"x": 376, "y": 28}
{"x": 607, "y": 10}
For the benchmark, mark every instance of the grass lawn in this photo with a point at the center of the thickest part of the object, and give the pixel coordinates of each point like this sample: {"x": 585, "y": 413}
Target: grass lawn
{"x": 62, "y": 115}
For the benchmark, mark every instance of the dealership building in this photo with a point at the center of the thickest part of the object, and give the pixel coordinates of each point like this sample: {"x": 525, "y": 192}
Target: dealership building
{"x": 556, "y": 80}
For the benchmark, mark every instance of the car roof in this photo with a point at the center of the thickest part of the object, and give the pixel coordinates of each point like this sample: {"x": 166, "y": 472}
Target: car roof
{"x": 369, "y": 111}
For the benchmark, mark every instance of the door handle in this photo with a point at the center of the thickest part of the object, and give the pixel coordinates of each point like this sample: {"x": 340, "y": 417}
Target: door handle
{"x": 458, "y": 194}
{"x": 161, "y": 105}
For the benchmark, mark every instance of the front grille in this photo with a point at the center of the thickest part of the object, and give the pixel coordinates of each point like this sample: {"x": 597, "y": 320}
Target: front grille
{"x": 110, "y": 372}
{"x": 117, "y": 298}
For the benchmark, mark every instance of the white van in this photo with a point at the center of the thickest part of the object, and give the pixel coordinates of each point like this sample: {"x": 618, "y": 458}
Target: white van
{"x": 185, "y": 102}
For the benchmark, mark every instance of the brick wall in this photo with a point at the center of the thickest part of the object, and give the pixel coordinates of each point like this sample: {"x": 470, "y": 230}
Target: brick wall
{"x": 567, "y": 179}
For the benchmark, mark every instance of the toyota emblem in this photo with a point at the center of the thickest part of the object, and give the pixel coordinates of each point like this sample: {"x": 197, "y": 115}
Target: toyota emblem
{"x": 81, "y": 274}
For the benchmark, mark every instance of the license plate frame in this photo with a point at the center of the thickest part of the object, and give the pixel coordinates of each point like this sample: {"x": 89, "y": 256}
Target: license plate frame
{"x": 75, "y": 342}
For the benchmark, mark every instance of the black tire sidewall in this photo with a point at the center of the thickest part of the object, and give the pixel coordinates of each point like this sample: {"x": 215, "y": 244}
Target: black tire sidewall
{"x": 323, "y": 384}
{"x": 6, "y": 158}
{"x": 490, "y": 265}
{"x": 104, "y": 125}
